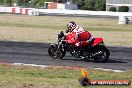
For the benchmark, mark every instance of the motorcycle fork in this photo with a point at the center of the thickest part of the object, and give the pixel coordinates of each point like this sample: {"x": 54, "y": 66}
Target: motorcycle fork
{"x": 60, "y": 47}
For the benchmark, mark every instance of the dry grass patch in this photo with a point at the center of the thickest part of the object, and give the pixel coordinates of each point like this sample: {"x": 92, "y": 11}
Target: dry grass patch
{"x": 115, "y": 38}
{"x": 45, "y": 28}
{"x": 27, "y": 34}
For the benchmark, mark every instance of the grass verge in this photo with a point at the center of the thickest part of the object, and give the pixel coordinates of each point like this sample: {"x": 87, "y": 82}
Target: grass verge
{"x": 35, "y": 77}
{"x": 45, "y": 28}
{"x": 60, "y": 22}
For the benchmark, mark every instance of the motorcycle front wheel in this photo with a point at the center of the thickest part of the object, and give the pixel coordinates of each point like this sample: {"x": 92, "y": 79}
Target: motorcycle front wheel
{"x": 56, "y": 53}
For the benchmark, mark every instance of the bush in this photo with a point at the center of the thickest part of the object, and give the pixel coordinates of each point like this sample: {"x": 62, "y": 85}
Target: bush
{"x": 123, "y": 9}
{"x": 113, "y": 9}
{"x": 100, "y": 5}
{"x": 89, "y": 5}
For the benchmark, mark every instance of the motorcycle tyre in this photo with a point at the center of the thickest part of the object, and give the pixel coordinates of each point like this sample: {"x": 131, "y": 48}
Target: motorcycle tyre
{"x": 53, "y": 56}
{"x": 104, "y": 49}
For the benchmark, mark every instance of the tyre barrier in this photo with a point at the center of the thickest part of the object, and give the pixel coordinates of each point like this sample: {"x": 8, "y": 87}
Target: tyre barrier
{"x": 124, "y": 17}
{"x": 19, "y": 10}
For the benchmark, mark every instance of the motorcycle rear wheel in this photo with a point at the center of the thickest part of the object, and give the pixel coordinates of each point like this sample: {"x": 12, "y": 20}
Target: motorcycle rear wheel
{"x": 103, "y": 54}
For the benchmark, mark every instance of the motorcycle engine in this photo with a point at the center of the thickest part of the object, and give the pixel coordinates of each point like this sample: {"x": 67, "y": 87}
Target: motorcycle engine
{"x": 78, "y": 53}
{"x": 73, "y": 51}
{"x": 70, "y": 48}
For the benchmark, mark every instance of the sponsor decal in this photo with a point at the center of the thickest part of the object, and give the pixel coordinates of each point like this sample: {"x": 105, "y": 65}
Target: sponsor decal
{"x": 110, "y": 82}
{"x": 85, "y": 81}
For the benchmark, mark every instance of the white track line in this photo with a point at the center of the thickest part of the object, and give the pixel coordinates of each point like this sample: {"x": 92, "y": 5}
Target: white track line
{"x": 44, "y": 66}
{"x": 34, "y": 65}
{"x": 109, "y": 70}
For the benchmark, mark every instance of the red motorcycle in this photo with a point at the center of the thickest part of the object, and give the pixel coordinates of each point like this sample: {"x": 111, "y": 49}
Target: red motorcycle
{"x": 95, "y": 50}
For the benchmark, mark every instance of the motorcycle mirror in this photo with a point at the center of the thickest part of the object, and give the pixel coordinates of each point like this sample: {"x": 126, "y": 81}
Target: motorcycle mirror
{"x": 61, "y": 33}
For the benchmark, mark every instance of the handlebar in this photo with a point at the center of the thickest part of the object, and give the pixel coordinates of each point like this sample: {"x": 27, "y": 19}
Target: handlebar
{"x": 66, "y": 31}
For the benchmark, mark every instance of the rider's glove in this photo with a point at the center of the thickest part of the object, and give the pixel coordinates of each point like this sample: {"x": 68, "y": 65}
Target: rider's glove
{"x": 77, "y": 44}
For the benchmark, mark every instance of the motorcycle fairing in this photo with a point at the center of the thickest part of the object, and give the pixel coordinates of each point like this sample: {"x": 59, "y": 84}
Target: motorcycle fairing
{"x": 97, "y": 41}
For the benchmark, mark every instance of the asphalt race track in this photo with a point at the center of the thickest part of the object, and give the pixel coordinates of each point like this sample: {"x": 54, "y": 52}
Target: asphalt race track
{"x": 37, "y": 53}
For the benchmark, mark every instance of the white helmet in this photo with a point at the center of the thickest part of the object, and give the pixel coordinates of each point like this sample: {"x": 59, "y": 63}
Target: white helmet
{"x": 71, "y": 26}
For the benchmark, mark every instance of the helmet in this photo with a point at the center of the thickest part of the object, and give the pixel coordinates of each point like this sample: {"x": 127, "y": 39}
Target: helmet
{"x": 71, "y": 26}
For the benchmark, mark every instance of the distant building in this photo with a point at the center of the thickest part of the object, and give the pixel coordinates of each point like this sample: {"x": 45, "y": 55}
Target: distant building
{"x": 118, "y": 3}
{"x": 61, "y": 4}
{"x": 68, "y": 5}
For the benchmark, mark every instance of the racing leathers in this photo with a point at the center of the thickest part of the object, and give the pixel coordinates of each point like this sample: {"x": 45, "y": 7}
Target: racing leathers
{"x": 79, "y": 37}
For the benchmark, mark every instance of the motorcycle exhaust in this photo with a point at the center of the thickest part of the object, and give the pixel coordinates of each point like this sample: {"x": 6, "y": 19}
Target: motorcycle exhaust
{"x": 96, "y": 54}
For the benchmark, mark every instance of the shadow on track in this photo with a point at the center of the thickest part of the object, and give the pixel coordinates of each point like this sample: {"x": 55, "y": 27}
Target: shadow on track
{"x": 109, "y": 61}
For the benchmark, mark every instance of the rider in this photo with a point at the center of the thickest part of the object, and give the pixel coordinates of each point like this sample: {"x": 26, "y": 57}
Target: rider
{"x": 78, "y": 36}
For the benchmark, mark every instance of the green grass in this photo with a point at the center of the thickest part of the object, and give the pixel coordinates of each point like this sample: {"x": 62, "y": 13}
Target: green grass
{"x": 12, "y": 77}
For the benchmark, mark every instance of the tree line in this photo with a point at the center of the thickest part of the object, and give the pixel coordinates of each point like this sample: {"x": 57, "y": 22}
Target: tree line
{"x": 96, "y": 5}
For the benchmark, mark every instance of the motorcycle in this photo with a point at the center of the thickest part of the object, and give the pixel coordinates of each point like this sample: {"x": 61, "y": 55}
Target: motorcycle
{"x": 96, "y": 50}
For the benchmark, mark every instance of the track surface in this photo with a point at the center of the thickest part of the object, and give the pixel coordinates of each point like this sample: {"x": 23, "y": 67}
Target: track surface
{"x": 36, "y": 53}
